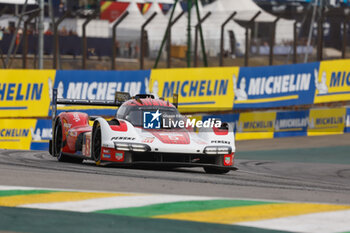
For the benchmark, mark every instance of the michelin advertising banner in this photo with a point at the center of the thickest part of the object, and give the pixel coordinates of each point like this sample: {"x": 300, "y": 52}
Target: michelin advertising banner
{"x": 16, "y": 133}
{"x": 199, "y": 90}
{"x": 272, "y": 124}
{"x": 275, "y": 86}
{"x": 333, "y": 81}
{"x": 291, "y": 123}
{"x": 326, "y": 121}
{"x": 25, "y": 93}
{"x": 28, "y": 93}
{"x": 255, "y": 125}
{"x": 99, "y": 85}
{"x": 25, "y": 134}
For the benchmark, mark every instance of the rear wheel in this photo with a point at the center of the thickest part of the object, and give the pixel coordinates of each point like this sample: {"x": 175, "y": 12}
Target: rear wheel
{"x": 96, "y": 144}
{"x": 59, "y": 144}
{"x": 214, "y": 170}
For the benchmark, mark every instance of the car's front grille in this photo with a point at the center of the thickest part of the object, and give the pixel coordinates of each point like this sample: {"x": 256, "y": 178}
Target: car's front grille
{"x": 173, "y": 158}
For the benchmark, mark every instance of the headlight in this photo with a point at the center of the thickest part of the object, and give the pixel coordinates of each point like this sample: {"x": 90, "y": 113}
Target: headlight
{"x": 217, "y": 150}
{"x": 122, "y": 146}
{"x": 131, "y": 147}
{"x": 139, "y": 147}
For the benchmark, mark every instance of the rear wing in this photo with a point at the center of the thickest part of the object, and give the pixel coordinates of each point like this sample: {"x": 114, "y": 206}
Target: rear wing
{"x": 120, "y": 98}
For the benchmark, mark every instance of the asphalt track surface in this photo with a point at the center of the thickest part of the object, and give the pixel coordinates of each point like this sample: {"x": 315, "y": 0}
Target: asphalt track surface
{"x": 305, "y": 169}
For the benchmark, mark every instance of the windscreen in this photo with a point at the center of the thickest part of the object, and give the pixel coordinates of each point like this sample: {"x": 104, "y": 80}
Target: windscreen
{"x": 135, "y": 114}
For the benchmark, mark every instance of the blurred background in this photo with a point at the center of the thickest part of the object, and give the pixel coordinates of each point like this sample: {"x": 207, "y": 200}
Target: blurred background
{"x": 128, "y": 35}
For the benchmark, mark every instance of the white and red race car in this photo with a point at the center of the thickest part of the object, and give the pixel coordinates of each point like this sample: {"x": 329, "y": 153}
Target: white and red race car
{"x": 144, "y": 131}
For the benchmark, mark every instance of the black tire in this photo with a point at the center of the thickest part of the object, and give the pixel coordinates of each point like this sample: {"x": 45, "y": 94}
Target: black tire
{"x": 214, "y": 170}
{"x": 58, "y": 145}
{"x": 96, "y": 143}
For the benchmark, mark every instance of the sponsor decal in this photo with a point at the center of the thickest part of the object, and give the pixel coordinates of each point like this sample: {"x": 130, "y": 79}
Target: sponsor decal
{"x": 73, "y": 133}
{"x": 107, "y": 156}
{"x": 123, "y": 138}
{"x": 86, "y": 146}
{"x": 148, "y": 139}
{"x": 66, "y": 126}
{"x": 25, "y": 93}
{"x": 119, "y": 156}
{"x": 228, "y": 160}
{"x": 220, "y": 142}
{"x": 76, "y": 117}
{"x": 333, "y": 81}
{"x": 273, "y": 86}
{"x": 205, "y": 89}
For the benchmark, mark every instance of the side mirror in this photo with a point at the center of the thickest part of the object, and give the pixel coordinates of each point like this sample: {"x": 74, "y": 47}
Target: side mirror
{"x": 121, "y": 96}
{"x": 175, "y": 100}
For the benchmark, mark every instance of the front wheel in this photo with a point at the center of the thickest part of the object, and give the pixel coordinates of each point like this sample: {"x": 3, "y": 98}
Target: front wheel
{"x": 96, "y": 144}
{"x": 214, "y": 170}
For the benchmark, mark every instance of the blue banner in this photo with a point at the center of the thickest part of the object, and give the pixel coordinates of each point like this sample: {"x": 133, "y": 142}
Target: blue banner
{"x": 347, "y": 121}
{"x": 41, "y": 135}
{"x": 275, "y": 86}
{"x": 99, "y": 85}
{"x": 290, "y": 124}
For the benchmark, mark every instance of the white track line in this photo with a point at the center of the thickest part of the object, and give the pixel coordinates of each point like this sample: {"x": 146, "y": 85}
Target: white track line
{"x": 336, "y": 221}
{"x": 114, "y": 202}
{"x": 3, "y": 188}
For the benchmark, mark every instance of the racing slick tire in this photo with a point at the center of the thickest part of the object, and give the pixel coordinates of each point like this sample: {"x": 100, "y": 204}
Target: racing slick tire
{"x": 96, "y": 143}
{"x": 214, "y": 170}
{"x": 59, "y": 144}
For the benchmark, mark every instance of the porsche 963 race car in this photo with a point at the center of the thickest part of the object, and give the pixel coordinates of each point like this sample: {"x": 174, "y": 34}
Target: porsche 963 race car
{"x": 144, "y": 130}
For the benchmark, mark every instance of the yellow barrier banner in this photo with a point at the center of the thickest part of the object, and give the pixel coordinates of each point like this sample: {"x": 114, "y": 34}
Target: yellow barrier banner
{"x": 255, "y": 125}
{"x": 16, "y": 133}
{"x": 25, "y": 93}
{"x": 326, "y": 121}
{"x": 333, "y": 81}
{"x": 199, "y": 90}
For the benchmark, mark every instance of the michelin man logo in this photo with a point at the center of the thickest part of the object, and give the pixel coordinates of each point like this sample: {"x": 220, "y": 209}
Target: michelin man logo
{"x": 60, "y": 89}
{"x": 311, "y": 123}
{"x": 155, "y": 88}
{"x": 239, "y": 126}
{"x": 240, "y": 93}
{"x": 321, "y": 86}
{"x": 36, "y": 135}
